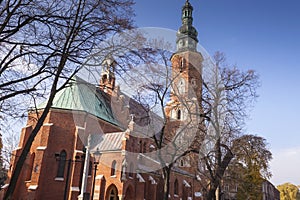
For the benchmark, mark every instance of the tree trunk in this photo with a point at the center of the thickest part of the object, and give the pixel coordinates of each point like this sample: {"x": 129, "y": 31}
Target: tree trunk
{"x": 166, "y": 172}
{"x": 17, "y": 171}
{"x": 211, "y": 193}
{"x": 218, "y": 193}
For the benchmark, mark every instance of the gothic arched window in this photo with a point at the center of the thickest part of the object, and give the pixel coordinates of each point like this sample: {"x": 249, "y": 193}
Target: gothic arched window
{"x": 131, "y": 170}
{"x": 61, "y": 164}
{"x": 30, "y": 167}
{"x": 113, "y": 193}
{"x": 176, "y": 187}
{"x": 90, "y": 168}
{"x": 113, "y": 168}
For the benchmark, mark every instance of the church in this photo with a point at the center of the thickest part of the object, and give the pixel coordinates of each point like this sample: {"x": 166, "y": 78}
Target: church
{"x": 84, "y": 151}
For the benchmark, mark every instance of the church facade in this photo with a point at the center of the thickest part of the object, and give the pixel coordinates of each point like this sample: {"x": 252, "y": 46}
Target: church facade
{"x": 62, "y": 161}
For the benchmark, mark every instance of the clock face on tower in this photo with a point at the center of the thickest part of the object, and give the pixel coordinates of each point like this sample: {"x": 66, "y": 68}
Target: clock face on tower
{"x": 181, "y": 86}
{"x": 191, "y": 44}
{"x": 186, "y": 43}
{"x": 181, "y": 43}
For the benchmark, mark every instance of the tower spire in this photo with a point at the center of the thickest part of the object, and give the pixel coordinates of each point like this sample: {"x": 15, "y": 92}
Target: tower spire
{"x": 107, "y": 80}
{"x": 187, "y": 34}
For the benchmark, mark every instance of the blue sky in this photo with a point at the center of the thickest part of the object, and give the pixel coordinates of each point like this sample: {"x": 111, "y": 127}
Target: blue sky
{"x": 263, "y": 35}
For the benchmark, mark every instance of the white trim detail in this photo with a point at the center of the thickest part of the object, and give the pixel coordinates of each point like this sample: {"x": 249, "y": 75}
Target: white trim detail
{"x": 140, "y": 178}
{"x": 5, "y": 186}
{"x": 32, "y": 187}
{"x": 186, "y": 184}
{"x": 59, "y": 179}
{"x": 42, "y": 148}
{"x": 100, "y": 177}
{"x": 18, "y": 148}
{"x": 153, "y": 182}
{"x": 80, "y": 128}
{"x": 75, "y": 189}
{"x": 48, "y": 124}
{"x": 78, "y": 151}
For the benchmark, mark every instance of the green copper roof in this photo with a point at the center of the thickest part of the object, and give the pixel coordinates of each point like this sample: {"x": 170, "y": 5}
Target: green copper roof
{"x": 187, "y": 28}
{"x": 82, "y": 96}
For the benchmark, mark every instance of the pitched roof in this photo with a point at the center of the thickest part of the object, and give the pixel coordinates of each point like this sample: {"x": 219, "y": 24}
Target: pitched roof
{"x": 80, "y": 95}
{"x": 112, "y": 141}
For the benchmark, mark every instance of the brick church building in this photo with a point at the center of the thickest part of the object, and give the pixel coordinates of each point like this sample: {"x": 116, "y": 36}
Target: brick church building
{"x": 62, "y": 160}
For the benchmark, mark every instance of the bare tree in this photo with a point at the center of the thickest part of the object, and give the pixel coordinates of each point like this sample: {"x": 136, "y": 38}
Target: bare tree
{"x": 227, "y": 94}
{"x": 156, "y": 86}
{"x": 44, "y": 43}
{"x": 3, "y": 171}
{"x": 10, "y": 139}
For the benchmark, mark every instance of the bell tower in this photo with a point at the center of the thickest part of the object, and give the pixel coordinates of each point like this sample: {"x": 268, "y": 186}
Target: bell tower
{"x": 184, "y": 108}
{"x": 107, "y": 79}
{"x": 186, "y": 66}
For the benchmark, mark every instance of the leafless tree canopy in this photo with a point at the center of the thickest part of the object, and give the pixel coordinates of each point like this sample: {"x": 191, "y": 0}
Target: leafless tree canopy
{"x": 227, "y": 95}
{"x": 44, "y": 43}
{"x": 37, "y": 36}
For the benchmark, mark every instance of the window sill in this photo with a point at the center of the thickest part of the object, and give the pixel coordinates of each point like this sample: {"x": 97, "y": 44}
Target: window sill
{"x": 59, "y": 179}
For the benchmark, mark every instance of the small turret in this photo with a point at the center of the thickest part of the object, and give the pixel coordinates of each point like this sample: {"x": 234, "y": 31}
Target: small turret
{"x": 107, "y": 80}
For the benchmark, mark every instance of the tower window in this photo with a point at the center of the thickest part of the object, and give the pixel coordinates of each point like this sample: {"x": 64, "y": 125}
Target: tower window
{"x": 179, "y": 114}
{"x": 182, "y": 64}
{"x": 61, "y": 164}
{"x": 181, "y": 163}
{"x": 104, "y": 78}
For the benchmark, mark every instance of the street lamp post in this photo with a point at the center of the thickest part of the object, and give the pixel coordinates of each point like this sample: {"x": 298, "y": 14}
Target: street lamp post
{"x": 97, "y": 155}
